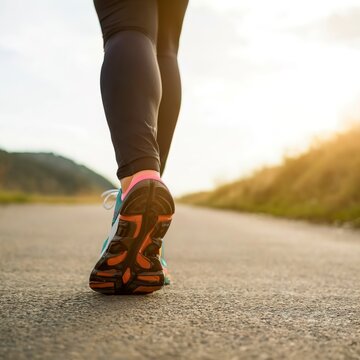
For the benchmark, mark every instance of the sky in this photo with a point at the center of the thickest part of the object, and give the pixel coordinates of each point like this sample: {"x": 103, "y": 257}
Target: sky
{"x": 260, "y": 80}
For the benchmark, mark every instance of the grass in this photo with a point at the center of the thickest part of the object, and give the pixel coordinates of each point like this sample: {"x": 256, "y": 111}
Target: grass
{"x": 23, "y": 198}
{"x": 322, "y": 184}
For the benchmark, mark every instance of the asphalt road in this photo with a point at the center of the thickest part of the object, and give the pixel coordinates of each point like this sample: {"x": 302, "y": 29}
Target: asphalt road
{"x": 244, "y": 287}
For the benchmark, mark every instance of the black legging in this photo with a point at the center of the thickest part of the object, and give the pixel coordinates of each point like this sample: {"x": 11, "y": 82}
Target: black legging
{"x": 140, "y": 81}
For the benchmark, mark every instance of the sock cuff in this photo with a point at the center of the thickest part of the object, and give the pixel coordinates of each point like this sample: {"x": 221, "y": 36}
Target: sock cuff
{"x": 138, "y": 178}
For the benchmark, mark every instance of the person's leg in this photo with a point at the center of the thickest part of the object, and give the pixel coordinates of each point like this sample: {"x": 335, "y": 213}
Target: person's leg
{"x": 171, "y": 15}
{"x": 131, "y": 90}
{"x": 131, "y": 84}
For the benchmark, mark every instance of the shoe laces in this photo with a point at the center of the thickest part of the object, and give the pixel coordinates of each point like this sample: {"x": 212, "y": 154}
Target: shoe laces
{"x": 107, "y": 195}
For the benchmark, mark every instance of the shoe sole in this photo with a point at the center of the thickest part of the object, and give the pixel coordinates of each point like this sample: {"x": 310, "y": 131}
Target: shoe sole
{"x": 131, "y": 263}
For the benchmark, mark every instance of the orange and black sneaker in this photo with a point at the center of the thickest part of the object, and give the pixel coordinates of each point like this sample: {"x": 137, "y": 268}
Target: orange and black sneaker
{"x": 130, "y": 261}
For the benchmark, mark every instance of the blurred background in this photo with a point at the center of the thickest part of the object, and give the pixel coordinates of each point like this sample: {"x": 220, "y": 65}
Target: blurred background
{"x": 263, "y": 82}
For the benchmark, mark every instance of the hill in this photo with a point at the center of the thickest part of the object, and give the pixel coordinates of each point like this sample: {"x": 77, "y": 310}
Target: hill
{"x": 322, "y": 184}
{"x": 47, "y": 174}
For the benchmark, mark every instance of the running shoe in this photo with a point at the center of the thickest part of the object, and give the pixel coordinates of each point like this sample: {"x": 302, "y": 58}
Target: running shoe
{"x": 118, "y": 202}
{"x": 130, "y": 260}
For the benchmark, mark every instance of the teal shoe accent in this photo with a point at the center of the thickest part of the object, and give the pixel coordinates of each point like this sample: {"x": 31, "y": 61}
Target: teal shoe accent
{"x": 163, "y": 261}
{"x": 104, "y": 245}
{"x": 164, "y": 264}
{"x": 118, "y": 205}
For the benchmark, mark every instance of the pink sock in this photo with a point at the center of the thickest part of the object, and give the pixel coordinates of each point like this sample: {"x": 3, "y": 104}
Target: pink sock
{"x": 138, "y": 178}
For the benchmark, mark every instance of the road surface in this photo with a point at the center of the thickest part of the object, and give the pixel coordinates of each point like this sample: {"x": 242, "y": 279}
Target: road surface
{"x": 245, "y": 287}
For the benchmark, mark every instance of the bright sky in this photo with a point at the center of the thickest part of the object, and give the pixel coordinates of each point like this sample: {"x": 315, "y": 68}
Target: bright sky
{"x": 260, "y": 78}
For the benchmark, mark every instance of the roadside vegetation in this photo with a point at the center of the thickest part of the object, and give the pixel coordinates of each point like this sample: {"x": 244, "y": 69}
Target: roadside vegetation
{"x": 23, "y": 198}
{"x": 322, "y": 184}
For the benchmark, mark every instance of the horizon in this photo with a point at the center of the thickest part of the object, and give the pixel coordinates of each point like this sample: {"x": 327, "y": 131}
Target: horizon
{"x": 260, "y": 80}
{"x": 317, "y": 141}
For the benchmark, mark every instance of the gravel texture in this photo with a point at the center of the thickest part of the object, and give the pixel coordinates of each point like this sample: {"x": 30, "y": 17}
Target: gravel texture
{"x": 244, "y": 287}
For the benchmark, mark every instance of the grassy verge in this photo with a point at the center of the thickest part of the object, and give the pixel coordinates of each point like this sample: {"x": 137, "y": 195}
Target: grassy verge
{"x": 22, "y": 198}
{"x": 321, "y": 185}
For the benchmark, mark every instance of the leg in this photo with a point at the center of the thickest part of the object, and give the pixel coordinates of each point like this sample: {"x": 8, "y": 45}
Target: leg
{"x": 131, "y": 90}
{"x": 130, "y": 82}
{"x": 171, "y": 15}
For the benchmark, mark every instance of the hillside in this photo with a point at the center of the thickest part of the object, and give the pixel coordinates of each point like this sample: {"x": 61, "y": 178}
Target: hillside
{"x": 322, "y": 184}
{"x": 47, "y": 174}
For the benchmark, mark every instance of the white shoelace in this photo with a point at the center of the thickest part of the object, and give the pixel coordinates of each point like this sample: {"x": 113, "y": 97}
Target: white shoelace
{"x": 108, "y": 194}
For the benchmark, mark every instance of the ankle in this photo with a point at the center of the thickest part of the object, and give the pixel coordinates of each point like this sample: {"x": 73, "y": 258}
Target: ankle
{"x": 126, "y": 182}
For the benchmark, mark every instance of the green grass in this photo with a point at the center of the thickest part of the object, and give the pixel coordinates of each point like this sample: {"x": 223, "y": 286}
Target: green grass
{"x": 322, "y": 184}
{"x": 23, "y": 198}
{"x": 7, "y": 198}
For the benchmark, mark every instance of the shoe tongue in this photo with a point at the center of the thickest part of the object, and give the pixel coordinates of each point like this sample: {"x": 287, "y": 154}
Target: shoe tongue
{"x": 118, "y": 204}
